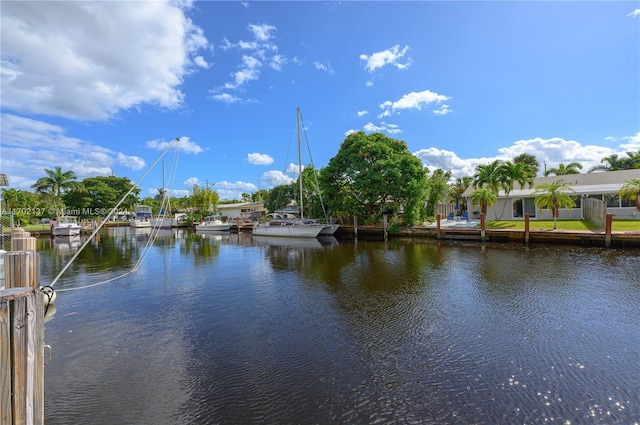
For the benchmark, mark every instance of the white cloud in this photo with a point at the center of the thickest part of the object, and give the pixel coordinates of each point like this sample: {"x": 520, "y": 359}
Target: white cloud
{"x": 369, "y": 83}
{"x": 388, "y": 128}
{"x": 413, "y": 100}
{"x": 29, "y": 146}
{"x": 185, "y": 144}
{"x": 294, "y": 169}
{"x": 635, "y": 13}
{"x": 322, "y": 67}
{"x": 233, "y": 190}
{"x": 362, "y": 113}
{"x": 128, "y": 161}
{"x": 230, "y": 98}
{"x": 386, "y": 57}
{"x": 277, "y": 62}
{"x": 52, "y": 69}
{"x": 259, "y": 159}
{"x": 257, "y": 53}
{"x": 350, "y": 131}
{"x": 632, "y": 142}
{"x": 444, "y": 110}
{"x": 262, "y": 32}
{"x": 551, "y": 151}
{"x": 191, "y": 181}
{"x": 276, "y": 178}
{"x": 201, "y": 62}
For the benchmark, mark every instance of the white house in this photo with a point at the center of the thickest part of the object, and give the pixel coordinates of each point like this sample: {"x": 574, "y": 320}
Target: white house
{"x": 244, "y": 212}
{"x": 602, "y": 185}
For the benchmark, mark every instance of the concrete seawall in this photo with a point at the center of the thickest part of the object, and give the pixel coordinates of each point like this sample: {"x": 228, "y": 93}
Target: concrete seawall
{"x": 569, "y": 237}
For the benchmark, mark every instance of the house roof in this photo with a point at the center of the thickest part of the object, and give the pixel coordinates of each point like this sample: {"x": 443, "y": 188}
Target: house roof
{"x": 582, "y": 184}
{"x": 259, "y": 204}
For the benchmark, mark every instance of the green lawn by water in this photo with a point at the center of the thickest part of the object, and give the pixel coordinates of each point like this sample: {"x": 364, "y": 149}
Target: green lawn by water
{"x": 618, "y": 225}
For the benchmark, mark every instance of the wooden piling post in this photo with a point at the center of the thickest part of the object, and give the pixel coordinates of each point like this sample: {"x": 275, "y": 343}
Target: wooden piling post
{"x": 384, "y": 226}
{"x": 608, "y": 224}
{"x": 355, "y": 227}
{"x": 22, "y": 269}
{"x": 526, "y": 228}
{"x": 482, "y": 227}
{"x": 21, "y": 356}
{"x": 23, "y": 244}
{"x": 438, "y": 232}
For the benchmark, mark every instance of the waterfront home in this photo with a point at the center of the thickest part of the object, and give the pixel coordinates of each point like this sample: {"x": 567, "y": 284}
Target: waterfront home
{"x": 602, "y": 186}
{"x": 243, "y": 212}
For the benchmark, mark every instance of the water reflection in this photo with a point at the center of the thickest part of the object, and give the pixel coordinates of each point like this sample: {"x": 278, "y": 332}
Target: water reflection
{"x": 232, "y": 329}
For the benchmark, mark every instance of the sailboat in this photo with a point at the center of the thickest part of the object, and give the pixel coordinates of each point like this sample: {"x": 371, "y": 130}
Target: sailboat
{"x": 163, "y": 220}
{"x": 288, "y": 225}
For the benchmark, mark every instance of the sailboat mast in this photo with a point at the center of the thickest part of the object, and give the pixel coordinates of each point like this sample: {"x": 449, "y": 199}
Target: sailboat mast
{"x": 299, "y": 162}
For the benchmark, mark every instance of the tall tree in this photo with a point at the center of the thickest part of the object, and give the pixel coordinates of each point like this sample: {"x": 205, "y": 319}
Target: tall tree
{"x": 561, "y": 169}
{"x": 514, "y": 172}
{"x": 610, "y": 163}
{"x": 280, "y": 196}
{"x": 485, "y": 197}
{"x": 530, "y": 160}
{"x": 631, "y": 190}
{"x": 633, "y": 160}
{"x": 553, "y": 196}
{"x": 490, "y": 176}
{"x": 204, "y": 199}
{"x": 98, "y": 195}
{"x": 438, "y": 189}
{"x": 373, "y": 174}
{"x": 56, "y": 181}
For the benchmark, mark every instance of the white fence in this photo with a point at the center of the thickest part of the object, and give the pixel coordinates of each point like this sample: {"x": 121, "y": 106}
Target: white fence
{"x": 594, "y": 210}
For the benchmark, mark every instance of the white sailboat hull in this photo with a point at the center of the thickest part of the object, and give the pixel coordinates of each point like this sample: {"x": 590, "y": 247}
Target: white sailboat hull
{"x": 291, "y": 231}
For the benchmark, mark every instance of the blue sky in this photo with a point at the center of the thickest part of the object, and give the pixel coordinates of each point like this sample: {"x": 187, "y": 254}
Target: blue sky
{"x": 100, "y": 88}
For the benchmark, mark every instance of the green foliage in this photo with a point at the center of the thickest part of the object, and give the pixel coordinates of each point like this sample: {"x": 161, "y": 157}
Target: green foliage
{"x": 530, "y": 160}
{"x": 280, "y": 196}
{"x": 96, "y": 194}
{"x": 204, "y": 200}
{"x": 553, "y": 196}
{"x": 561, "y": 170}
{"x": 371, "y": 175}
{"x": 437, "y": 189}
{"x": 613, "y": 162}
{"x": 56, "y": 182}
{"x": 631, "y": 190}
{"x": 485, "y": 197}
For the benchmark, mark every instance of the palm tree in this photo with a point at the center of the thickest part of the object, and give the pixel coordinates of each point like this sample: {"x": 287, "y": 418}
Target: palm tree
{"x": 631, "y": 190}
{"x": 633, "y": 161}
{"x": 609, "y": 163}
{"x": 530, "y": 160}
{"x": 56, "y": 182}
{"x": 485, "y": 197}
{"x": 491, "y": 176}
{"x": 553, "y": 196}
{"x": 561, "y": 170}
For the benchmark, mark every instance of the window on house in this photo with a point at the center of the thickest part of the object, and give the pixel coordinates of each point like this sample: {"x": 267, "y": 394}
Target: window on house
{"x": 613, "y": 201}
{"x": 523, "y": 206}
{"x": 627, "y": 202}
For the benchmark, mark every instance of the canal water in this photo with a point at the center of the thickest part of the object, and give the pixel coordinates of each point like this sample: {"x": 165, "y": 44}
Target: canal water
{"x": 228, "y": 329}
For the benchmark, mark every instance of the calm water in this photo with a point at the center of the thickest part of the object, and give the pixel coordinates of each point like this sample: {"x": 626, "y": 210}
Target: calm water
{"x": 228, "y": 330}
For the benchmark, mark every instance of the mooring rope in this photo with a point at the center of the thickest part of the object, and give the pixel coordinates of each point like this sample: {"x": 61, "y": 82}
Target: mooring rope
{"x": 154, "y": 231}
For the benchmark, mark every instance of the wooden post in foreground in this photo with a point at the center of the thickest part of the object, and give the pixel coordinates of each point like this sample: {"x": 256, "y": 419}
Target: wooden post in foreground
{"x": 482, "y": 226}
{"x": 22, "y": 269}
{"x": 608, "y": 221}
{"x": 21, "y": 356}
{"x": 355, "y": 227}
{"x": 526, "y": 228}
{"x": 384, "y": 226}
{"x": 438, "y": 226}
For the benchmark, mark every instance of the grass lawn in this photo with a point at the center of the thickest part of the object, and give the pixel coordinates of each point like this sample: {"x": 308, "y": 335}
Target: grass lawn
{"x": 618, "y": 225}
